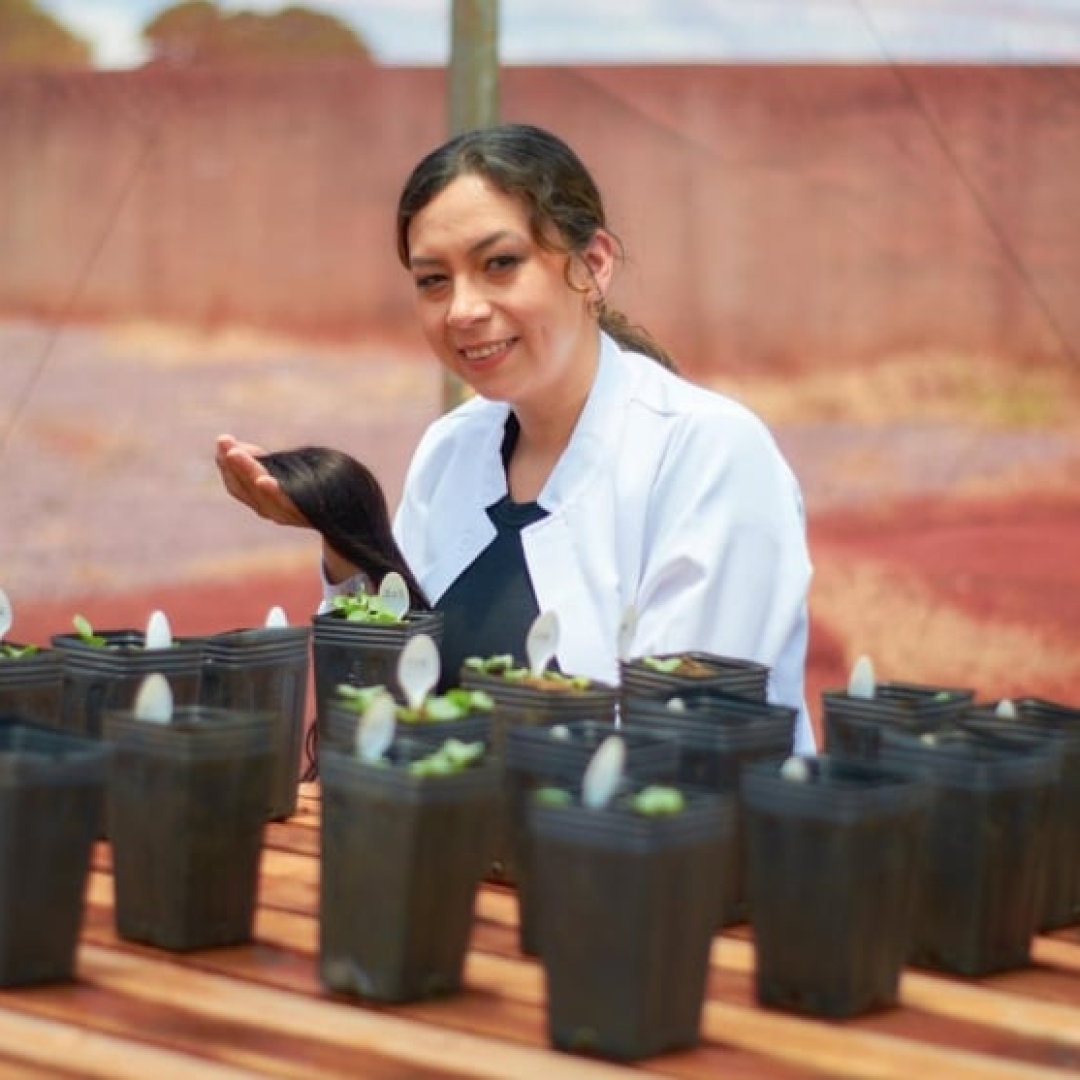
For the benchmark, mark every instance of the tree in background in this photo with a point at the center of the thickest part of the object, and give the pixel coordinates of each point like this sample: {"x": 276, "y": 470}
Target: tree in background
{"x": 29, "y": 38}
{"x": 198, "y": 32}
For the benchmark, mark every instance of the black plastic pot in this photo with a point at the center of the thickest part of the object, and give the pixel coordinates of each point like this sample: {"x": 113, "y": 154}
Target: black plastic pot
{"x": 559, "y": 755}
{"x": 853, "y": 725}
{"x": 402, "y": 857}
{"x": 264, "y": 671}
{"x": 187, "y": 808}
{"x": 51, "y": 791}
{"x": 32, "y": 687}
{"x": 718, "y": 734}
{"x": 833, "y": 875}
{"x": 524, "y": 705}
{"x": 982, "y": 868}
{"x": 729, "y": 675}
{"x": 625, "y": 916}
{"x": 1059, "y": 725}
{"x": 97, "y": 678}
{"x": 362, "y": 653}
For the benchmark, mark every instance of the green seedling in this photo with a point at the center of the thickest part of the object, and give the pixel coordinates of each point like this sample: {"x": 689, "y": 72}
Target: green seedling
{"x": 553, "y": 796}
{"x": 452, "y": 757}
{"x": 657, "y": 800}
{"x": 365, "y": 607}
{"x": 17, "y": 652}
{"x": 86, "y": 633}
{"x": 454, "y": 704}
{"x": 493, "y": 665}
{"x": 664, "y": 664}
{"x": 504, "y": 667}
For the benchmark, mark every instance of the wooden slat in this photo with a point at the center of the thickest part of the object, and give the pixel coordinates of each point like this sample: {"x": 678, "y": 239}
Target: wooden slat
{"x": 1057, "y": 952}
{"x": 258, "y": 1049}
{"x": 259, "y": 1009}
{"x": 817, "y": 1044}
{"x": 840, "y": 1050}
{"x": 63, "y": 1046}
{"x": 10, "y": 1069}
{"x": 844, "y": 1051}
{"x": 953, "y": 998}
{"x": 177, "y": 986}
{"x": 484, "y": 1009}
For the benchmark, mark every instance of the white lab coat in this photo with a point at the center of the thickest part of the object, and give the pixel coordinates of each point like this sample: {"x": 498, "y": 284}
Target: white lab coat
{"x": 669, "y": 497}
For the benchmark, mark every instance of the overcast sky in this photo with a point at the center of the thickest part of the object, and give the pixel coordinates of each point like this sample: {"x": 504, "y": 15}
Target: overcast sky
{"x": 661, "y": 31}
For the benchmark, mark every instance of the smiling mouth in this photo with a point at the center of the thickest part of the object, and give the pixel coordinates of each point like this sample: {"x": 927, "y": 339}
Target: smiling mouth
{"x": 482, "y": 352}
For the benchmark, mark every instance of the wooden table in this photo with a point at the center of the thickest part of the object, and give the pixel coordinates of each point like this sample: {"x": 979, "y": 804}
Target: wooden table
{"x": 259, "y": 1010}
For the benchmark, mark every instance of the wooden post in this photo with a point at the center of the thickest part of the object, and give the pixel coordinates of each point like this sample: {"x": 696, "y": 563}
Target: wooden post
{"x": 474, "y": 98}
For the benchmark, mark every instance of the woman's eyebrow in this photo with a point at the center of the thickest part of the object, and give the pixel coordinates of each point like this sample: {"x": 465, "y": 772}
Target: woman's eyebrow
{"x": 474, "y": 249}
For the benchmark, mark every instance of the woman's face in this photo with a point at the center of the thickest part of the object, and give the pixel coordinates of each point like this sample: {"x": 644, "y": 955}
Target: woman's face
{"x": 497, "y": 309}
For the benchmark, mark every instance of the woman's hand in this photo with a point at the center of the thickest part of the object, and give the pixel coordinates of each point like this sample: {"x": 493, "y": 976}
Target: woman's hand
{"x": 247, "y": 480}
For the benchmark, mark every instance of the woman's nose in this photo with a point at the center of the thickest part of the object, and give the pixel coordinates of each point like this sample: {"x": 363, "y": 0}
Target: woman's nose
{"x": 468, "y": 304}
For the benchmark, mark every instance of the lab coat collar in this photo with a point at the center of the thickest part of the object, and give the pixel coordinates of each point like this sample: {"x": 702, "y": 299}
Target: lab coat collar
{"x": 594, "y": 433}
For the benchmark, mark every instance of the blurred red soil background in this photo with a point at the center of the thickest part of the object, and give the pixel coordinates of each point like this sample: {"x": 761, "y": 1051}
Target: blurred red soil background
{"x": 881, "y": 259}
{"x": 945, "y": 537}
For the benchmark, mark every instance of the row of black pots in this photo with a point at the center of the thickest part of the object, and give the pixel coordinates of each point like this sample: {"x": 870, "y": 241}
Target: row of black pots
{"x": 931, "y": 856}
{"x": 600, "y": 895}
{"x": 958, "y": 827}
{"x": 673, "y": 881}
{"x": 612, "y": 891}
{"x": 710, "y": 754}
{"x": 622, "y": 909}
{"x": 186, "y": 805}
{"x": 853, "y": 838}
{"x": 72, "y": 685}
{"x": 364, "y": 654}
{"x": 624, "y": 906}
{"x": 1034, "y": 841}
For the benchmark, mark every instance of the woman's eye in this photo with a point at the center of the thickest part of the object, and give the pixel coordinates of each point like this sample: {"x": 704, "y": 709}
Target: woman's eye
{"x": 428, "y": 282}
{"x": 503, "y": 262}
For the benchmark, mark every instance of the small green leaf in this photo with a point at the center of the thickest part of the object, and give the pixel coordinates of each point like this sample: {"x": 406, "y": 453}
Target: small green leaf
{"x": 442, "y": 708}
{"x": 17, "y": 652}
{"x": 357, "y": 698}
{"x": 663, "y": 664}
{"x": 453, "y": 756}
{"x": 656, "y": 800}
{"x": 552, "y": 796}
{"x": 86, "y": 631}
{"x": 365, "y": 607}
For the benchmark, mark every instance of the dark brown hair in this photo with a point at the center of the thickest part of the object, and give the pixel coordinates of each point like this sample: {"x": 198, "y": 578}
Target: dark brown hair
{"x": 341, "y": 498}
{"x": 564, "y": 204}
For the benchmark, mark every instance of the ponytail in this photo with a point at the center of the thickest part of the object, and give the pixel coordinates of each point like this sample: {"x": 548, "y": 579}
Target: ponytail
{"x": 634, "y": 338}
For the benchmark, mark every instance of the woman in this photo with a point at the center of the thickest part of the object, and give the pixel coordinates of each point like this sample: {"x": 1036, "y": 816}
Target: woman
{"x": 584, "y": 477}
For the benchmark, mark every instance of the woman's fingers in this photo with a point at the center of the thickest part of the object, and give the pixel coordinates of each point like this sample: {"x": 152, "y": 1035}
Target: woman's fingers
{"x": 247, "y": 480}
{"x": 239, "y": 471}
{"x": 273, "y": 503}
